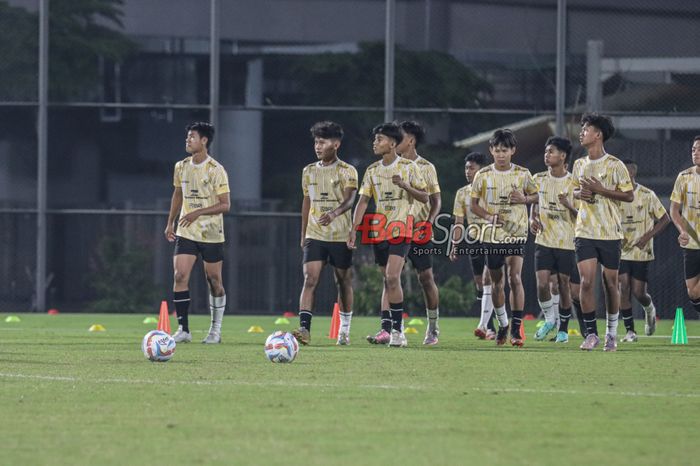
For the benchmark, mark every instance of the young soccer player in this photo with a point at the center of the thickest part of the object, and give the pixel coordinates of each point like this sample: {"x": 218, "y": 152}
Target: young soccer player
{"x": 499, "y": 195}
{"x": 329, "y": 186}
{"x": 474, "y": 162}
{"x": 553, "y": 220}
{"x": 420, "y": 255}
{"x": 201, "y": 196}
{"x": 642, "y": 219}
{"x": 685, "y": 213}
{"x": 601, "y": 181}
{"x": 394, "y": 183}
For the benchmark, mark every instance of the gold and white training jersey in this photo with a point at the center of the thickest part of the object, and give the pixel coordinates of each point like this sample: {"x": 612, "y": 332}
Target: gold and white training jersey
{"x": 421, "y": 211}
{"x": 557, "y": 221}
{"x": 600, "y": 218}
{"x": 201, "y": 186}
{"x": 392, "y": 201}
{"x": 325, "y": 185}
{"x": 493, "y": 187}
{"x": 637, "y": 218}
{"x": 686, "y": 192}
{"x": 463, "y": 208}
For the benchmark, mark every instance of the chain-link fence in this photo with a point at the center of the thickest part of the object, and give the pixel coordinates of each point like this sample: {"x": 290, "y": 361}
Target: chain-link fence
{"x": 121, "y": 88}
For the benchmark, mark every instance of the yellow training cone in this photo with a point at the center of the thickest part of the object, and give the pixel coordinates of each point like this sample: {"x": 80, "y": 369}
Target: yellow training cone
{"x": 410, "y": 330}
{"x": 97, "y": 328}
{"x": 255, "y": 329}
{"x": 416, "y": 322}
{"x": 282, "y": 321}
{"x": 574, "y": 333}
{"x": 12, "y": 319}
{"x": 150, "y": 320}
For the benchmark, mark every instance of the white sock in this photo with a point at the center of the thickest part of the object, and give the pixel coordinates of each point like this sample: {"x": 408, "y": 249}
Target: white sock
{"x": 546, "y": 307}
{"x": 555, "y": 309}
{"x": 501, "y": 316}
{"x": 612, "y": 324}
{"x": 345, "y": 319}
{"x": 486, "y": 306}
{"x": 217, "y": 306}
{"x": 433, "y": 315}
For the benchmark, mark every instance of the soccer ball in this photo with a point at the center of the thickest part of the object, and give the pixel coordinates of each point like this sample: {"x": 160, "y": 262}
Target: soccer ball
{"x": 158, "y": 346}
{"x": 281, "y": 347}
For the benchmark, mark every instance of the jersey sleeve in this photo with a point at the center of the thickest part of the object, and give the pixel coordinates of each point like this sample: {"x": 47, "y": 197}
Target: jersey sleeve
{"x": 530, "y": 185}
{"x": 366, "y": 189}
{"x": 459, "y": 209}
{"x": 576, "y": 174}
{"x": 431, "y": 180}
{"x": 305, "y": 181}
{"x": 656, "y": 208}
{"x": 177, "y": 175}
{"x": 478, "y": 185}
{"x": 221, "y": 186}
{"x": 415, "y": 178}
{"x": 623, "y": 182}
{"x": 350, "y": 177}
{"x": 678, "y": 189}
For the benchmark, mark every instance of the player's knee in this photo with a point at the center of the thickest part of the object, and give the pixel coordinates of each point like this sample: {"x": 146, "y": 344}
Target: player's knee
{"x": 343, "y": 277}
{"x": 310, "y": 280}
{"x": 425, "y": 278}
{"x": 214, "y": 284}
{"x": 514, "y": 280}
{"x": 392, "y": 281}
{"x": 694, "y": 293}
{"x": 180, "y": 278}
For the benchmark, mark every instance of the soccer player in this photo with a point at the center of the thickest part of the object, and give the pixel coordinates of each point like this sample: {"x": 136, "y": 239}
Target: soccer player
{"x": 553, "y": 219}
{"x": 499, "y": 195}
{"x": 201, "y": 197}
{"x": 419, "y": 254}
{"x": 601, "y": 181}
{"x": 474, "y": 162}
{"x": 642, "y": 220}
{"x": 394, "y": 183}
{"x": 685, "y": 213}
{"x": 329, "y": 186}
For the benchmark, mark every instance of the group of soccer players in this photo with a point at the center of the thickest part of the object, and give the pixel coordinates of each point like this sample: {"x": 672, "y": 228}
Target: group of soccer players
{"x": 593, "y": 220}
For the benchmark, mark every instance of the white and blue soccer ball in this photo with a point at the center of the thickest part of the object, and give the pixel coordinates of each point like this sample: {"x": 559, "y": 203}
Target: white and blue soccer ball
{"x": 158, "y": 346}
{"x": 281, "y": 347}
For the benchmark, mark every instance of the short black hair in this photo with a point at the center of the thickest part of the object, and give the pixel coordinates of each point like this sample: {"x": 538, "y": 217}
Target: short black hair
{"x": 415, "y": 129}
{"x": 503, "y": 137}
{"x": 478, "y": 158}
{"x": 204, "y": 129}
{"x": 602, "y": 122}
{"x": 327, "y": 130}
{"x": 390, "y": 130}
{"x": 560, "y": 143}
{"x": 697, "y": 138}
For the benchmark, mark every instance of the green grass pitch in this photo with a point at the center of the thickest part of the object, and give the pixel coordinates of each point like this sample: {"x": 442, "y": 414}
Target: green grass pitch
{"x": 68, "y": 396}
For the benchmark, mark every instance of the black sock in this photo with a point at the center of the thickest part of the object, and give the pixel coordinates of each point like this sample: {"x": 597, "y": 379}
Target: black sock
{"x": 696, "y": 304}
{"x": 564, "y": 316}
{"x": 386, "y": 321}
{"x": 479, "y": 294}
{"x": 516, "y": 321}
{"x": 305, "y": 319}
{"x": 628, "y": 319}
{"x": 576, "y": 304}
{"x": 396, "y": 315}
{"x": 181, "y": 299}
{"x": 590, "y": 323}
{"x": 490, "y": 325}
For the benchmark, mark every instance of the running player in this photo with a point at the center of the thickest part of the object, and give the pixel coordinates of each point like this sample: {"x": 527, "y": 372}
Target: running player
{"x": 601, "y": 181}
{"x": 642, "y": 220}
{"x": 201, "y": 197}
{"x": 394, "y": 183}
{"x": 329, "y": 186}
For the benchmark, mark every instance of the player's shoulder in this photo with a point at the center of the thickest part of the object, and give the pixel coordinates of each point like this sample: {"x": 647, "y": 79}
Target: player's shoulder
{"x": 687, "y": 172}
{"x": 540, "y": 175}
{"x": 309, "y": 167}
{"x": 519, "y": 169}
{"x": 342, "y": 165}
{"x": 424, "y": 163}
{"x": 644, "y": 190}
{"x": 464, "y": 190}
{"x": 186, "y": 161}
{"x": 408, "y": 163}
{"x": 373, "y": 166}
{"x": 213, "y": 164}
{"x": 612, "y": 160}
{"x": 485, "y": 170}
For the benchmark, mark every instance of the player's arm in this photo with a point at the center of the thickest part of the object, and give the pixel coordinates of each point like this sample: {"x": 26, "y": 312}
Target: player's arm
{"x": 360, "y": 210}
{"x": 659, "y": 226}
{"x": 564, "y": 200}
{"x": 518, "y": 197}
{"x": 175, "y": 206}
{"x": 348, "y": 201}
{"x": 435, "y": 205}
{"x": 457, "y": 235}
{"x": 535, "y": 223}
{"x": 594, "y": 185}
{"x": 305, "y": 209}
{"x": 680, "y": 223}
{"x": 222, "y": 206}
{"x": 418, "y": 194}
{"x": 480, "y": 211}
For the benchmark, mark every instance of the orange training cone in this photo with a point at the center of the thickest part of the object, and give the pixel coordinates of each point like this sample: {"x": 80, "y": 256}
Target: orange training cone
{"x": 335, "y": 323}
{"x": 164, "y": 318}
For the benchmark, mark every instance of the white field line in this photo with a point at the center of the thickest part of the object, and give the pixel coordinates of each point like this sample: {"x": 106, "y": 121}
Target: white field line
{"x": 534, "y": 391}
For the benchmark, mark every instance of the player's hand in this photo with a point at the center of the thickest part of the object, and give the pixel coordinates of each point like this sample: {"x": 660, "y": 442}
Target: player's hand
{"x": 396, "y": 179}
{"x": 642, "y": 242}
{"x": 188, "y": 219}
{"x": 303, "y": 242}
{"x": 351, "y": 240}
{"x": 683, "y": 239}
{"x": 535, "y": 226}
{"x": 453, "y": 254}
{"x": 564, "y": 200}
{"x": 517, "y": 197}
{"x": 592, "y": 184}
{"x": 170, "y": 233}
{"x": 327, "y": 218}
{"x": 586, "y": 194}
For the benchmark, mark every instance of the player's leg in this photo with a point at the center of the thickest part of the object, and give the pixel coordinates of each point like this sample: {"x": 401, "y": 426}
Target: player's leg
{"x": 421, "y": 259}
{"x": 587, "y": 262}
{"x": 381, "y": 258}
{"x": 514, "y": 265}
{"x": 312, "y": 273}
{"x": 488, "y": 301}
{"x": 691, "y": 264}
{"x": 182, "y": 268}
{"x": 554, "y": 291}
{"x": 213, "y": 259}
{"x": 626, "y": 302}
{"x": 609, "y": 254}
{"x": 575, "y": 288}
{"x": 394, "y": 293}
{"x": 544, "y": 262}
{"x": 564, "y": 308}
{"x": 341, "y": 260}
{"x": 639, "y": 280}
{"x": 483, "y": 291}
{"x": 496, "y": 265}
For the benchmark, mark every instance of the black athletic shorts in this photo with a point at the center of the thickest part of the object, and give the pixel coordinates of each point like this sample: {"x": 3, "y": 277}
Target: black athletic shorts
{"x": 335, "y": 253}
{"x": 638, "y": 270}
{"x": 606, "y": 251}
{"x": 421, "y": 256}
{"x": 210, "y": 252}
{"x": 554, "y": 259}
{"x": 575, "y": 278}
{"x": 383, "y": 250}
{"x": 496, "y": 253}
{"x": 691, "y": 262}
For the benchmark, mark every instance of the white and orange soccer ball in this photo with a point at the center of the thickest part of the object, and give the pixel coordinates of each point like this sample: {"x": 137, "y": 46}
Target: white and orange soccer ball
{"x": 281, "y": 347}
{"x": 158, "y": 346}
